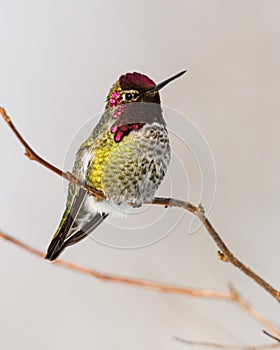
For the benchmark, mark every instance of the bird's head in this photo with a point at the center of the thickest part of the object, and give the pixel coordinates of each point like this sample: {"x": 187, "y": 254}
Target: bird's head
{"x": 136, "y": 87}
{"x": 122, "y": 98}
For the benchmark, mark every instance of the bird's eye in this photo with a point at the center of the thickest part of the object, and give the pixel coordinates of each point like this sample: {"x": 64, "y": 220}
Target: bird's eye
{"x": 128, "y": 97}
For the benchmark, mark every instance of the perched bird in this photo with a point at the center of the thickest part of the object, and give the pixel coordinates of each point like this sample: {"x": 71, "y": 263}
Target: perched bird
{"x": 126, "y": 157}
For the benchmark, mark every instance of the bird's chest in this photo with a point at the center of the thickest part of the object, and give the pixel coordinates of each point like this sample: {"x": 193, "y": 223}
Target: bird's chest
{"x": 118, "y": 168}
{"x": 109, "y": 156}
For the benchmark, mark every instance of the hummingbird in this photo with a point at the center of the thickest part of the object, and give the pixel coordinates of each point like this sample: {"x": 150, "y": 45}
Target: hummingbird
{"x": 126, "y": 156}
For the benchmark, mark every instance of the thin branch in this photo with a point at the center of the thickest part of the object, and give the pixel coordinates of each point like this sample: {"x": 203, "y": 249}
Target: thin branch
{"x": 253, "y": 312}
{"x": 160, "y": 287}
{"x": 232, "y": 295}
{"x": 271, "y": 336}
{"x": 225, "y": 254}
{"x": 32, "y": 155}
{"x": 236, "y": 297}
{"x": 227, "y": 346}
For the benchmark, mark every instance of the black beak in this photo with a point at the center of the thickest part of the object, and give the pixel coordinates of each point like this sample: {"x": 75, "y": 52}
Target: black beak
{"x": 165, "y": 82}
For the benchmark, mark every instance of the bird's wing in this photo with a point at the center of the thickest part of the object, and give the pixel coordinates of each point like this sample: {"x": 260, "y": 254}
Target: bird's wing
{"x": 66, "y": 224}
{"x": 75, "y": 200}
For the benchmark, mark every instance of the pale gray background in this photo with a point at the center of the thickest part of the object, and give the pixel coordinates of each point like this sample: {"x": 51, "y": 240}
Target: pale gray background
{"x": 58, "y": 59}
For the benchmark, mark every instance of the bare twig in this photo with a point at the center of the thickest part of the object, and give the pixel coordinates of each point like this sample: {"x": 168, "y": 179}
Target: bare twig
{"x": 271, "y": 336}
{"x": 236, "y": 297}
{"x": 227, "y": 346}
{"x": 253, "y": 312}
{"x": 32, "y": 155}
{"x": 164, "y": 288}
{"x": 232, "y": 295}
{"x": 225, "y": 254}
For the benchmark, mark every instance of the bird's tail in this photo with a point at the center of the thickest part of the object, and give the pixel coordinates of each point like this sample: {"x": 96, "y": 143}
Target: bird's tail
{"x": 57, "y": 245}
{"x": 71, "y": 229}
{"x": 66, "y": 223}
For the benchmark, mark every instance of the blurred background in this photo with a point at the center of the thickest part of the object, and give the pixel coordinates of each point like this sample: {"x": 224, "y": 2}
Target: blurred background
{"x": 58, "y": 60}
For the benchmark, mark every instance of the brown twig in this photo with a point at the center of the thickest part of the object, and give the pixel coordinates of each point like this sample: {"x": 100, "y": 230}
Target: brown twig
{"x": 225, "y": 255}
{"x": 236, "y": 297}
{"x": 165, "y": 288}
{"x": 232, "y": 295}
{"x": 227, "y": 346}
{"x": 32, "y": 155}
{"x": 272, "y": 336}
{"x": 167, "y": 202}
